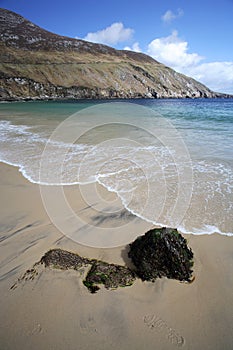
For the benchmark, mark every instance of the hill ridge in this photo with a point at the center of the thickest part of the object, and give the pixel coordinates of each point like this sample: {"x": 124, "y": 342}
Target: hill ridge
{"x": 38, "y": 64}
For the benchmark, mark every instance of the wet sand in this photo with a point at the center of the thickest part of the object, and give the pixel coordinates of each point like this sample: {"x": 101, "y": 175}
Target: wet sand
{"x": 56, "y": 311}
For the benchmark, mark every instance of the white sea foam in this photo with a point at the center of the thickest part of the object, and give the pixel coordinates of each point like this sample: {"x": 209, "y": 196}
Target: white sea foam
{"x": 121, "y": 169}
{"x": 205, "y": 230}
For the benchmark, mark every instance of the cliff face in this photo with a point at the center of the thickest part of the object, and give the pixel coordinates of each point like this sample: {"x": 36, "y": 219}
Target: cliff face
{"x": 37, "y": 64}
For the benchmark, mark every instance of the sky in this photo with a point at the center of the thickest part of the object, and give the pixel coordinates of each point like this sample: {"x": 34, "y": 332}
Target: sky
{"x": 192, "y": 37}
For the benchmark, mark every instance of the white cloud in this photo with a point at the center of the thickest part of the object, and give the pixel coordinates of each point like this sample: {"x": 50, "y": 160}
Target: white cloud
{"x": 172, "y": 51}
{"x": 170, "y": 16}
{"x": 111, "y": 35}
{"x": 218, "y": 76}
{"x": 135, "y": 47}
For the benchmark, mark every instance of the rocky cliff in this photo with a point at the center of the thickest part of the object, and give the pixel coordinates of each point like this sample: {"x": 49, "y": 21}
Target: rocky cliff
{"x": 37, "y": 64}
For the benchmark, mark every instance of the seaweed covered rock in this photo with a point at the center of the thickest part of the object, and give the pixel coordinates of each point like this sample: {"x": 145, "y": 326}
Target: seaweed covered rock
{"x": 100, "y": 272}
{"x": 63, "y": 260}
{"x": 162, "y": 253}
{"x": 110, "y": 275}
{"x": 159, "y": 253}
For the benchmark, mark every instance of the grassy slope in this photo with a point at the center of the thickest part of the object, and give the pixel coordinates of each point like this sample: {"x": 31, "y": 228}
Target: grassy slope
{"x": 28, "y": 52}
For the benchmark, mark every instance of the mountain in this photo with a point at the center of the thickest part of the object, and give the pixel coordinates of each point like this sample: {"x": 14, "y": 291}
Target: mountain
{"x": 37, "y": 64}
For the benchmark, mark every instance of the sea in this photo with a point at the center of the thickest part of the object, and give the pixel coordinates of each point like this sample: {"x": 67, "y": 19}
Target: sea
{"x": 169, "y": 161}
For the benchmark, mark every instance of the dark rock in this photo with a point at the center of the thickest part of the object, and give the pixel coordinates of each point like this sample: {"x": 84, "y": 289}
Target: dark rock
{"x": 100, "y": 272}
{"x": 159, "y": 253}
{"x": 63, "y": 259}
{"x": 162, "y": 253}
{"x": 110, "y": 275}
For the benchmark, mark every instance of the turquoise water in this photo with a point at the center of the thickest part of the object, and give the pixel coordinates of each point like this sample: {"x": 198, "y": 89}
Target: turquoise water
{"x": 169, "y": 161}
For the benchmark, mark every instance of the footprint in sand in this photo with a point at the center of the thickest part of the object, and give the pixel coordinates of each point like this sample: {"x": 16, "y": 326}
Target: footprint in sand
{"x": 88, "y": 326}
{"x": 154, "y": 322}
{"x": 36, "y": 330}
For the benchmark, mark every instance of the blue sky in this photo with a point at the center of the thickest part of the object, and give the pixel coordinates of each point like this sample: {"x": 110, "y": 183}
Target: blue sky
{"x": 193, "y": 37}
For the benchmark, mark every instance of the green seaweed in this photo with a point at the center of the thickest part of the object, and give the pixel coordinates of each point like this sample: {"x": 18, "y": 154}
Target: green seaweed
{"x": 100, "y": 272}
{"x": 110, "y": 275}
{"x": 159, "y": 253}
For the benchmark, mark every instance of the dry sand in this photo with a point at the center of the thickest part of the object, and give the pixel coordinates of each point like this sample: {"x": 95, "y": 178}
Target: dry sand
{"x": 56, "y": 311}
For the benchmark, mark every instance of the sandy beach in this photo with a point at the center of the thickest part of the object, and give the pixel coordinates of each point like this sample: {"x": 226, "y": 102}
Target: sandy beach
{"x": 56, "y": 311}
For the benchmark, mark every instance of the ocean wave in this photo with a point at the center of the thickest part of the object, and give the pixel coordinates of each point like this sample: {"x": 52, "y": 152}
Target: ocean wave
{"x": 205, "y": 230}
{"x": 120, "y": 170}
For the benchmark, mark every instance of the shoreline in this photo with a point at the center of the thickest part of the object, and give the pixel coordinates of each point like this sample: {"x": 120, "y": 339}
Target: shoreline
{"x": 183, "y": 231}
{"x": 219, "y": 95}
{"x": 56, "y": 311}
